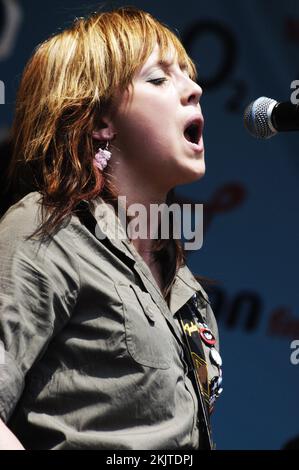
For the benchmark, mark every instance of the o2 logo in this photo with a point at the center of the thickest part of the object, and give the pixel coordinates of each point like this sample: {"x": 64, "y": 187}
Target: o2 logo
{"x": 294, "y": 357}
{"x": 10, "y": 20}
{"x": 227, "y": 62}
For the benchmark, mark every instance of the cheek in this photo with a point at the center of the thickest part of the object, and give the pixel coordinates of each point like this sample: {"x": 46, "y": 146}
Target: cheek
{"x": 146, "y": 127}
{"x": 143, "y": 132}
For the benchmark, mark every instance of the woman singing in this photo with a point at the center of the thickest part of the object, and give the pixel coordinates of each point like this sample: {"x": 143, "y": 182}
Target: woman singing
{"x": 107, "y": 340}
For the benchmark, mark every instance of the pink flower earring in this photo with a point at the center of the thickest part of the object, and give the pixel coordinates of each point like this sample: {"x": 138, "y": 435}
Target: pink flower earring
{"x": 102, "y": 157}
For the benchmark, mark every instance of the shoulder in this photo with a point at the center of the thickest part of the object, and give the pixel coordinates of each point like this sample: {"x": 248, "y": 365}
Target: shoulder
{"x": 49, "y": 258}
{"x": 22, "y": 218}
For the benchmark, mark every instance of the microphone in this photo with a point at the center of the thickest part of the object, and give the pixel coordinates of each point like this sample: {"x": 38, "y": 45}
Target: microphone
{"x": 264, "y": 117}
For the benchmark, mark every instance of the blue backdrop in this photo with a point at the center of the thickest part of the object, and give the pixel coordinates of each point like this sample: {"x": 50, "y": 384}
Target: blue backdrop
{"x": 243, "y": 50}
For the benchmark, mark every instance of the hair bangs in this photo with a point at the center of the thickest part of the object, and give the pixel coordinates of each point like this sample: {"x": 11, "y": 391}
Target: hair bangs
{"x": 170, "y": 44}
{"x": 132, "y": 37}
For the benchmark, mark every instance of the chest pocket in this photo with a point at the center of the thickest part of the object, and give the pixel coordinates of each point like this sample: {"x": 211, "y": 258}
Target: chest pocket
{"x": 146, "y": 330}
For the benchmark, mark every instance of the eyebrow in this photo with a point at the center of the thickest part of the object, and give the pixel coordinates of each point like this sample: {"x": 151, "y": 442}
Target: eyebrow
{"x": 159, "y": 63}
{"x": 166, "y": 64}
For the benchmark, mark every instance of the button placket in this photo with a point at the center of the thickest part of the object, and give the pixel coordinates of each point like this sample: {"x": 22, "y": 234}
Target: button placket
{"x": 149, "y": 312}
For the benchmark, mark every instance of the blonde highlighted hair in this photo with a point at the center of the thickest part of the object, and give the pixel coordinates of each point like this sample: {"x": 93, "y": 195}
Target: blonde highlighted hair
{"x": 68, "y": 83}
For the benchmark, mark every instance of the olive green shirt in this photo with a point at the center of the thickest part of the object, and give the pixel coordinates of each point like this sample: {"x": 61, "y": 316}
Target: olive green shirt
{"x": 94, "y": 356}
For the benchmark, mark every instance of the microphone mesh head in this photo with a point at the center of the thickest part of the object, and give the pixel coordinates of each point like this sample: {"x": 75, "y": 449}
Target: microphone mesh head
{"x": 257, "y": 118}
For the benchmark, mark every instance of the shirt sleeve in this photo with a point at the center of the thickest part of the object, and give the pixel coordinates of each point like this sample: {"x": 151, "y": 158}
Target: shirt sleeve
{"x": 37, "y": 294}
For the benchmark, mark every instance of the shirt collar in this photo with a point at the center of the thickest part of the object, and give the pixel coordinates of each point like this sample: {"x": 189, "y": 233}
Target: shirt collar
{"x": 112, "y": 226}
{"x": 185, "y": 286}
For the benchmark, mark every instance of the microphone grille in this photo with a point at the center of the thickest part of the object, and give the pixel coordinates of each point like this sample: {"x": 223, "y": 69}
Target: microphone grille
{"x": 257, "y": 118}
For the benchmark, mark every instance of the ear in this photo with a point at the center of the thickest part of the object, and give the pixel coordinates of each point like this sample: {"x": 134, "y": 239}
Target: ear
{"x": 105, "y": 130}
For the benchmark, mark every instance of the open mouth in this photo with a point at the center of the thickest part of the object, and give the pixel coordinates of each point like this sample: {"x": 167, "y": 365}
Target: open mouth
{"x": 193, "y": 132}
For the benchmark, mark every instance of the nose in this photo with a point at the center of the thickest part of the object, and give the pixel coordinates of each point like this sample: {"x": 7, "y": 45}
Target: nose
{"x": 192, "y": 92}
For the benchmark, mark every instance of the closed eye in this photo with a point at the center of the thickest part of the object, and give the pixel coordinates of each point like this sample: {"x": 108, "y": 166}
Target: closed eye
{"x": 158, "y": 81}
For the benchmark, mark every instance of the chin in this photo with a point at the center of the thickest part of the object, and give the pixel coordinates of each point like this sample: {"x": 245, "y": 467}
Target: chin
{"x": 193, "y": 172}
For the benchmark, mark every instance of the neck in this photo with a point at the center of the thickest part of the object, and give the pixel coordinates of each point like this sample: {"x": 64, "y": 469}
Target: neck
{"x": 144, "y": 225}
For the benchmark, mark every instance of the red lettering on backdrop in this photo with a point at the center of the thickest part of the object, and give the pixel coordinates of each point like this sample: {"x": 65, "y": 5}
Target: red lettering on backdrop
{"x": 283, "y": 323}
{"x": 225, "y": 199}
